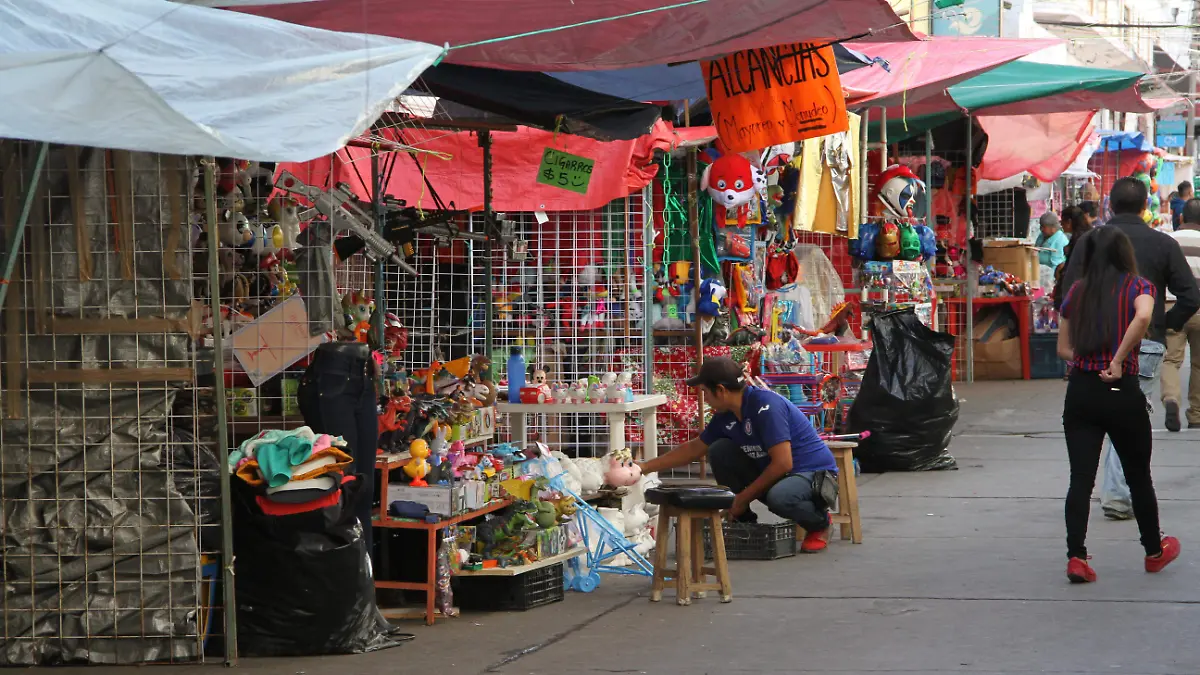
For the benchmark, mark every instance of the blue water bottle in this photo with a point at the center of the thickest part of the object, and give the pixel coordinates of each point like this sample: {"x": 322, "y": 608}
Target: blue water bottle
{"x": 516, "y": 374}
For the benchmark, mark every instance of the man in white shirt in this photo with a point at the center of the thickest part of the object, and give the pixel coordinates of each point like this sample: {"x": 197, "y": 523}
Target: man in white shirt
{"x": 1188, "y": 236}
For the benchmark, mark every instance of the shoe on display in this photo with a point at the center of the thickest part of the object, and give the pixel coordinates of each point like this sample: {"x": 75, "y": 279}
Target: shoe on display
{"x": 1172, "y": 416}
{"x": 1080, "y": 572}
{"x": 1170, "y": 551}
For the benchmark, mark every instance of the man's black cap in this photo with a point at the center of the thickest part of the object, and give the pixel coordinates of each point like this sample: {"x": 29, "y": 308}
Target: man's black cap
{"x": 718, "y": 370}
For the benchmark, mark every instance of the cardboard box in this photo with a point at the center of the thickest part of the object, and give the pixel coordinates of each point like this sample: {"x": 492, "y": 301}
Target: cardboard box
{"x": 998, "y": 359}
{"x": 439, "y": 499}
{"x": 1015, "y": 258}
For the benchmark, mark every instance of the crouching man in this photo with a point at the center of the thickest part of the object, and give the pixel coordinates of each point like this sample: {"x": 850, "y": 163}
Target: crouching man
{"x": 762, "y": 448}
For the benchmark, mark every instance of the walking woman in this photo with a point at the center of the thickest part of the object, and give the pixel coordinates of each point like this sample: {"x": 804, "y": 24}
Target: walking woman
{"x": 1104, "y": 317}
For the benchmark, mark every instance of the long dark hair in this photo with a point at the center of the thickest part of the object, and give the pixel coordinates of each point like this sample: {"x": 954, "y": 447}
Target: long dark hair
{"x": 1076, "y": 222}
{"x": 1107, "y": 259}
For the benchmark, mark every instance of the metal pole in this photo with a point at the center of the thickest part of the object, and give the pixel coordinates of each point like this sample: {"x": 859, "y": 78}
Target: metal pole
{"x": 648, "y": 284}
{"x": 1191, "y": 113}
{"x": 972, "y": 280}
{"x": 929, "y": 178}
{"x": 377, "y": 204}
{"x": 14, "y": 246}
{"x": 485, "y": 142}
{"x": 214, "y": 294}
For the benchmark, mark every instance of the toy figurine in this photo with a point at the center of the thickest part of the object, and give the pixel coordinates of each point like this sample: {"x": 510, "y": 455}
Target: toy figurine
{"x": 611, "y": 393}
{"x": 625, "y": 387}
{"x": 560, "y": 392}
{"x": 285, "y": 211}
{"x": 579, "y": 391}
{"x": 417, "y": 467}
{"x": 596, "y": 391}
{"x": 539, "y": 381}
{"x": 357, "y": 307}
{"x": 439, "y": 448}
{"x": 622, "y": 470}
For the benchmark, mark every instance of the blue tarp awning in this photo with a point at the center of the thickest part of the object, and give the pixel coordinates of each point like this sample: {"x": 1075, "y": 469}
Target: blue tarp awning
{"x": 672, "y": 83}
{"x": 1112, "y": 141}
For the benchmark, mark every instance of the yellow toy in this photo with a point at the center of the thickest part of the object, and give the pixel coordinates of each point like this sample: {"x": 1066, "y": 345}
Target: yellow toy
{"x": 417, "y": 467}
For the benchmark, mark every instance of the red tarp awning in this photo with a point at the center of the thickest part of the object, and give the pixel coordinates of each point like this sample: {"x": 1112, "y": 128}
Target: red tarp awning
{"x": 622, "y": 167}
{"x": 686, "y": 32}
{"x": 927, "y": 68}
{"x": 1048, "y": 144}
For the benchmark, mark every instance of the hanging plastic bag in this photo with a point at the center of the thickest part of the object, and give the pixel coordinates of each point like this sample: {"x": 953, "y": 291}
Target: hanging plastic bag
{"x": 304, "y": 582}
{"x": 906, "y": 399}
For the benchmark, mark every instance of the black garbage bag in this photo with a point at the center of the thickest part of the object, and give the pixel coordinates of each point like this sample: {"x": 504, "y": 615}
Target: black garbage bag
{"x": 304, "y": 583}
{"x": 906, "y": 400}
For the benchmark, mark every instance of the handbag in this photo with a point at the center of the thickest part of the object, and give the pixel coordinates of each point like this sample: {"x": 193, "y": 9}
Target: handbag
{"x": 825, "y": 486}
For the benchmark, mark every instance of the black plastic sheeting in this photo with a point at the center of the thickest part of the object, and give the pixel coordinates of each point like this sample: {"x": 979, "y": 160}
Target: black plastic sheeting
{"x": 539, "y": 100}
{"x": 907, "y": 398}
{"x": 304, "y": 582}
{"x": 100, "y": 555}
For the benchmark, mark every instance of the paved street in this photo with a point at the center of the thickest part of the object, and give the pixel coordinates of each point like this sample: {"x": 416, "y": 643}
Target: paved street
{"x": 960, "y": 571}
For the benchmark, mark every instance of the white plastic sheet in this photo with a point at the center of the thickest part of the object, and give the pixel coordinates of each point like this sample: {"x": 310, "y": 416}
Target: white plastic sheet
{"x": 159, "y": 76}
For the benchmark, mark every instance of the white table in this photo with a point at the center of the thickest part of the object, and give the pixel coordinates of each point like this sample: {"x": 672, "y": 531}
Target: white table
{"x": 647, "y": 405}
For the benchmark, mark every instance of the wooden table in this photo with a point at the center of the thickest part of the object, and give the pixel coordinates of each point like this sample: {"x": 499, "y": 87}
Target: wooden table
{"x": 646, "y": 405}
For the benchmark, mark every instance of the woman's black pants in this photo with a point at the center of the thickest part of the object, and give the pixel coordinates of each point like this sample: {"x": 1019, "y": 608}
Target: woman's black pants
{"x": 337, "y": 397}
{"x": 1095, "y": 408}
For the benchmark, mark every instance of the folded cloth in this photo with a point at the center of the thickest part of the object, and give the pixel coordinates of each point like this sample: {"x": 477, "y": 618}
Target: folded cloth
{"x": 327, "y": 461}
{"x": 300, "y": 491}
{"x": 275, "y": 460}
{"x": 272, "y": 508}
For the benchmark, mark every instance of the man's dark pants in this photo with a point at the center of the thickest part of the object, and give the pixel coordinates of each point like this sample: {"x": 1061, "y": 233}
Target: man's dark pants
{"x": 791, "y": 498}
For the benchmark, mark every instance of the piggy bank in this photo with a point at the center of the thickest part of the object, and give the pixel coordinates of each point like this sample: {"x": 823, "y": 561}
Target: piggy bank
{"x": 622, "y": 470}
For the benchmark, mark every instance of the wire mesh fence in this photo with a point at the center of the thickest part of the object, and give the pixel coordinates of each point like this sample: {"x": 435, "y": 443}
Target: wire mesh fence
{"x": 109, "y": 480}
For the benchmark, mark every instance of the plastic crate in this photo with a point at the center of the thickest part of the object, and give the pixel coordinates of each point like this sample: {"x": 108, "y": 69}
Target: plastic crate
{"x": 755, "y": 541}
{"x": 508, "y": 594}
{"x": 1044, "y": 363}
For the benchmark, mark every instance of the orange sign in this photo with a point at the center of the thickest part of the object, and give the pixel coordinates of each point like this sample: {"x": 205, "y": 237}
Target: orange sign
{"x": 780, "y": 94}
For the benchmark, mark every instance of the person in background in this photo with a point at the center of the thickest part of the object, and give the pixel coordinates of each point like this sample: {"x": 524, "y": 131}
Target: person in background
{"x": 1077, "y": 223}
{"x": 762, "y": 448}
{"x": 1091, "y": 213}
{"x": 1187, "y": 233}
{"x": 1160, "y": 261}
{"x": 1178, "y": 201}
{"x": 1053, "y": 243}
{"x": 1104, "y": 317}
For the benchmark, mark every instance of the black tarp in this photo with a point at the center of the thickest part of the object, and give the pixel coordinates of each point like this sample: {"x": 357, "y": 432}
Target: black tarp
{"x": 537, "y": 99}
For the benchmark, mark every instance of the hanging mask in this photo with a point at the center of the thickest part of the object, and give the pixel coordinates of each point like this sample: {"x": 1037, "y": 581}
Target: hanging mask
{"x": 910, "y": 243}
{"x": 899, "y": 191}
{"x": 887, "y": 243}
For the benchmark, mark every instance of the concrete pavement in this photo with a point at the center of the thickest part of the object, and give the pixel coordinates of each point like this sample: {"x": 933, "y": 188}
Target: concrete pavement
{"x": 960, "y": 572}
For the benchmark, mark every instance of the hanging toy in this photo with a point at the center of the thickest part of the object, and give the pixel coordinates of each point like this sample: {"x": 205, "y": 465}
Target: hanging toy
{"x": 732, "y": 182}
{"x": 357, "y": 307}
{"x": 712, "y": 295}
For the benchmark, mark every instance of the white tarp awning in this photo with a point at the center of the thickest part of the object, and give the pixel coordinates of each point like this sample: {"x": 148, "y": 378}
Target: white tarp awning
{"x": 159, "y": 76}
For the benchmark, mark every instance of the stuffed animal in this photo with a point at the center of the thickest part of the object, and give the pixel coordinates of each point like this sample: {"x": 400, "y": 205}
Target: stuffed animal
{"x": 732, "y": 182}
{"x": 285, "y": 211}
{"x": 712, "y": 295}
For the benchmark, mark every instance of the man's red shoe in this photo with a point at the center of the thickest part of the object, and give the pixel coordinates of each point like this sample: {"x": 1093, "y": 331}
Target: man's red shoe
{"x": 1079, "y": 572}
{"x": 815, "y": 542}
{"x": 1170, "y": 551}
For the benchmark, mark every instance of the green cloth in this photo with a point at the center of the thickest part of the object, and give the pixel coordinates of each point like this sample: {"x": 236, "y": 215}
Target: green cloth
{"x": 275, "y": 460}
{"x": 1058, "y": 242}
{"x": 1012, "y": 82}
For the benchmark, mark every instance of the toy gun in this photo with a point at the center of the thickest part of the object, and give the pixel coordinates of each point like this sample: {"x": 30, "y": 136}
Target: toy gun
{"x": 344, "y": 213}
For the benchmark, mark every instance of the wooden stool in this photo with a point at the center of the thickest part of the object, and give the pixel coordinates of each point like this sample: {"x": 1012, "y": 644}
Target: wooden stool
{"x": 691, "y": 508}
{"x": 847, "y": 507}
{"x": 847, "y": 514}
